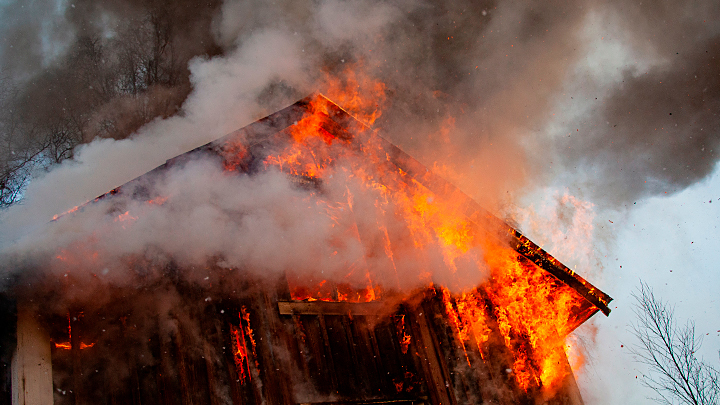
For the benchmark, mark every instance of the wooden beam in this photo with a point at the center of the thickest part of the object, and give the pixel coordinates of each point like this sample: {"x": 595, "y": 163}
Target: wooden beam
{"x": 32, "y": 363}
{"x": 372, "y": 402}
{"x": 329, "y": 308}
{"x": 437, "y": 381}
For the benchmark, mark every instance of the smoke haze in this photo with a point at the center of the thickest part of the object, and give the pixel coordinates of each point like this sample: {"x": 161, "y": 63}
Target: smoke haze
{"x": 479, "y": 79}
{"x": 499, "y": 97}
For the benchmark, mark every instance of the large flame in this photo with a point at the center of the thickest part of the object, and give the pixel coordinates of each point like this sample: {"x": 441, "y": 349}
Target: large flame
{"x": 530, "y": 309}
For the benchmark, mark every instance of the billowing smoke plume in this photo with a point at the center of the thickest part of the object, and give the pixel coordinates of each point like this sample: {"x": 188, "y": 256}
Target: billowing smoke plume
{"x": 655, "y": 129}
{"x": 480, "y": 80}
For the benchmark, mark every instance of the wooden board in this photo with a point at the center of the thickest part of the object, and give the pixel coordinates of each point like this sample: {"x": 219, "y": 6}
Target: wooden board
{"x": 329, "y": 308}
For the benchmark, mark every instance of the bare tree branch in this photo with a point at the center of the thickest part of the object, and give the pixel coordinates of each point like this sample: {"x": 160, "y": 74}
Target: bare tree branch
{"x": 104, "y": 86}
{"x": 670, "y": 352}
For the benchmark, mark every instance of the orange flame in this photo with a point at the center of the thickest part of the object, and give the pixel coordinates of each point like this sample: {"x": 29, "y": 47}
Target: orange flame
{"x": 158, "y": 200}
{"x": 240, "y": 353}
{"x": 526, "y": 309}
{"x": 531, "y": 309}
{"x": 125, "y": 217}
{"x": 403, "y": 337}
{"x": 248, "y": 329}
{"x": 68, "y": 345}
{"x": 70, "y": 211}
{"x": 358, "y": 93}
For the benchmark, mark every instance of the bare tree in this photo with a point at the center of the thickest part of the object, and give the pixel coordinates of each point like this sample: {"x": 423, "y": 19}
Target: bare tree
{"x": 29, "y": 145}
{"x": 103, "y": 86}
{"x": 16, "y": 156}
{"x": 670, "y": 352}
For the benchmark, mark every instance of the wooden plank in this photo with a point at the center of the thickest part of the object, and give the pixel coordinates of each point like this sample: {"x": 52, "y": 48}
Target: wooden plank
{"x": 438, "y": 383}
{"x": 329, "y": 308}
{"x": 273, "y": 352}
{"x": 366, "y": 355}
{"x": 320, "y": 372}
{"x": 328, "y": 353}
{"x": 31, "y": 365}
{"x": 302, "y": 352}
{"x": 372, "y": 402}
{"x": 374, "y": 351}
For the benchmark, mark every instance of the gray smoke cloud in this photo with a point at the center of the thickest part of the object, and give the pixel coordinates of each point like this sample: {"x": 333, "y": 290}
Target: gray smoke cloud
{"x": 658, "y": 132}
{"x": 479, "y": 80}
{"x": 435, "y": 71}
{"x": 654, "y": 130}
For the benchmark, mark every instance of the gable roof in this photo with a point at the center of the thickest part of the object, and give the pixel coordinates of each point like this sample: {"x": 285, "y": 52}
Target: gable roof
{"x": 246, "y": 149}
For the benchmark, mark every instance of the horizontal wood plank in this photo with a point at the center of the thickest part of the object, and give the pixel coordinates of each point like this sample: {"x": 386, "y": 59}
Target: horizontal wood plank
{"x": 329, "y": 308}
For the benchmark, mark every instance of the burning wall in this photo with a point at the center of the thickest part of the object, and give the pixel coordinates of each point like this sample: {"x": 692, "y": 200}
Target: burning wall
{"x": 393, "y": 283}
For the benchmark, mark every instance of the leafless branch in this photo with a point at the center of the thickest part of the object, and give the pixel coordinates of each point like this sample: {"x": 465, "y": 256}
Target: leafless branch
{"x": 670, "y": 352}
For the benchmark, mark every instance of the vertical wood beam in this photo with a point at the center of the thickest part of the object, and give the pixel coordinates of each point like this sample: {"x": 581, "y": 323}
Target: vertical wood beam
{"x": 437, "y": 380}
{"x": 32, "y": 363}
{"x": 328, "y": 353}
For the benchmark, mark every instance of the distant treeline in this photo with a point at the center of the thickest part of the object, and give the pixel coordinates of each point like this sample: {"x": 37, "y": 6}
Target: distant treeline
{"x": 109, "y": 82}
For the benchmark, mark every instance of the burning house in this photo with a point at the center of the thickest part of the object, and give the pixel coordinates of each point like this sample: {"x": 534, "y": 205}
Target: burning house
{"x": 409, "y": 293}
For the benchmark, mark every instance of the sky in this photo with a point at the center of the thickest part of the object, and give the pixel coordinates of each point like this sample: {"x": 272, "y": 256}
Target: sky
{"x": 670, "y": 243}
{"x": 590, "y": 122}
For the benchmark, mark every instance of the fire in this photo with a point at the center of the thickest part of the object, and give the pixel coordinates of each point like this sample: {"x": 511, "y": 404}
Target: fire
{"x": 519, "y": 305}
{"x": 347, "y": 293}
{"x": 245, "y": 315}
{"x": 77, "y": 255}
{"x": 308, "y": 154}
{"x": 468, "y": 318}
{"x": 433, "y": 221}
{"x": 68, "y": 345}
{"x": 126, "y": 218}
{"x": 532, "y": 303}
{"x": 241, "y": 354}
{"x": 526, "y": 303}
{"x": 531, "y": 309}
{"x": 70, "y": 211}
{"x": 234, "y": 153}
{"x": 358, "y": 93}
{"x": 158, "y": 200}
{"x": 403, "y": 337}
{"x": 327, "y": 291}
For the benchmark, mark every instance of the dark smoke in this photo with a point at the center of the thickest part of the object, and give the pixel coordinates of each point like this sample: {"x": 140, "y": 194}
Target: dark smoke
{"x": 479, "y": 77}
{"x": 36, "y": 36}
{"x": 99, "y": 69}
{"x": 656, "y": 130}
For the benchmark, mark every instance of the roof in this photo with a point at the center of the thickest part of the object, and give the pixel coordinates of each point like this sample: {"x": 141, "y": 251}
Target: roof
{"x": 246, "y": 149}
